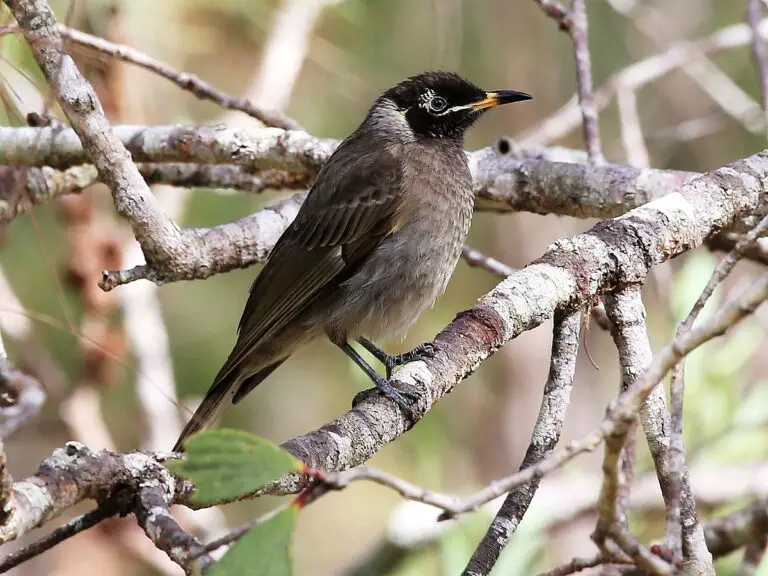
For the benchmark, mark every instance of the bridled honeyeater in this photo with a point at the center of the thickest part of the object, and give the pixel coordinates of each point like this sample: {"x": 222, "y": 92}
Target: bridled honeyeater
{"x": 374, "y": 243}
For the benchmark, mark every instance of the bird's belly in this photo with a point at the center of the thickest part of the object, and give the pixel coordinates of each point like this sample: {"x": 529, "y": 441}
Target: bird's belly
{"x": 404, "y": 275}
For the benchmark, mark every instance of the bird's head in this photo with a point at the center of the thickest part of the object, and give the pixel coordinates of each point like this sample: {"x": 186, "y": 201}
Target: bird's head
{"x": 441, "y": 104}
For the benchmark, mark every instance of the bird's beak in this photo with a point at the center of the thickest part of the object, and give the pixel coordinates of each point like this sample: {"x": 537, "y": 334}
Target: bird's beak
{"x": 499, "y": 97}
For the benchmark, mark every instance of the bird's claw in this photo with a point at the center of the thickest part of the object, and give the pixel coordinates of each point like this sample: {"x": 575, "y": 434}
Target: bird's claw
{"x": 404, "y": 400}
{"x": 422, "y": 350}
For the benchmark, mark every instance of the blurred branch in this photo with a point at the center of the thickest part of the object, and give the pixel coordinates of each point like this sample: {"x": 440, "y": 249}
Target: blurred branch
{"x": 727, "y": 241}
{"x": 738, "y": 529}
{"x": 477, "y": 259}
{"x": 566, "y": 119}
{"x": 545, "y": 436}
{"x": 723, "y": 90}
{"x": 631, "y": 129}
{"x": 183, "y": 80}
{"x": 759, "y": 53}
{"x": 284, "y": 52}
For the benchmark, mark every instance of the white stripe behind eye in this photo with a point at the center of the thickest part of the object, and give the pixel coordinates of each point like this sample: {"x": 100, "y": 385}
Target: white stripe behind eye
{"x": 455, "y": 109}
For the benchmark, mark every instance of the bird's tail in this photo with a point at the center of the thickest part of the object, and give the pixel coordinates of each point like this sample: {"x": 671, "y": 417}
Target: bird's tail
{"x": 227, "y": 385}
{"x": 208, "y": 409}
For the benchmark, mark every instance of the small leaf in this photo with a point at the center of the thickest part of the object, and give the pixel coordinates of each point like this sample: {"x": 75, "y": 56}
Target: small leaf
{"x": 264, "y": 551}
{"x": 225, "y": 464}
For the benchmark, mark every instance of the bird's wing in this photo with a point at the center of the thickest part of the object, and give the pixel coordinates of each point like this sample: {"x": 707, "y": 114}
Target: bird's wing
{"x": 352, "y": 207}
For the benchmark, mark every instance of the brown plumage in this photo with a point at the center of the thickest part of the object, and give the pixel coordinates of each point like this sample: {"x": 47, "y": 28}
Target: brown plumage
{"x": 374, "y": 243}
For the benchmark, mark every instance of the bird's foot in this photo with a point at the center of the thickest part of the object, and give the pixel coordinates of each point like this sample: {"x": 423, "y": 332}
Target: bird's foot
{"x": 405, "y": 400}
{"x": 392, "y": 361}
{"x": 426, "y": 350}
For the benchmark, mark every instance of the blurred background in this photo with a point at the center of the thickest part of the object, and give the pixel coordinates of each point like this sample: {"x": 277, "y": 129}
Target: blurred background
{"x": 122, "y": 369}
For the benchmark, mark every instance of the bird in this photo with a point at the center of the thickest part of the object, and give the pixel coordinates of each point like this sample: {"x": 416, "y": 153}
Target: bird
{"x": 373, "y": 245}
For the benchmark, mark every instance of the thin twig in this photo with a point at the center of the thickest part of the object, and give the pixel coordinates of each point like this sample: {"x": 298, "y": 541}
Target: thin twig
{"x": 185, "y": 81}
{"x": 239, "y": 532}
{"x": 575, "y": 23}
{"x": 477, "y": 259}
{"x": 71, "y": 528}
{"x": 579, "y": 36}
{"x": 575, "y": 565}
{"x": 673, "y": 538}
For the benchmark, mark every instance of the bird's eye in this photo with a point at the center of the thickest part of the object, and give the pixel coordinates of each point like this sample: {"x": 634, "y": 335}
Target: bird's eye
{"x": 438, "y": 104}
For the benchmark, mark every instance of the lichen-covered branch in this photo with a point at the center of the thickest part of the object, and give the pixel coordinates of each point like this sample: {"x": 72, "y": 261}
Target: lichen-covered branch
{"x": 535, "y": 181}
{"x": 614, "y": 253}
{"x": 627, "y": 314}
{"x": 75, "y": 473}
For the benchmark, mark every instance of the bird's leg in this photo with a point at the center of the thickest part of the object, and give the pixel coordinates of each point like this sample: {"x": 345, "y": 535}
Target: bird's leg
{"x": 382, "y": 384}
{"x": 390, "y": 361}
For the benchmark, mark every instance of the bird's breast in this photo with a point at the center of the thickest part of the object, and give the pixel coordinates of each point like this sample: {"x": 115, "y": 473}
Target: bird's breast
{"x": 411, "y": 268}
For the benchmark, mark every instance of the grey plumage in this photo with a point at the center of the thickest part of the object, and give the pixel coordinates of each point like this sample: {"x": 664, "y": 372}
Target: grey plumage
{"x": 375, "y": 242}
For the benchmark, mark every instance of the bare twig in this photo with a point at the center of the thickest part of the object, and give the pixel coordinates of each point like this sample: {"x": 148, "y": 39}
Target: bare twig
{"x": 475, "y": 258}
{"x": 185, "y": 81}
{"x": 545, "y": 436}
{"x": 238, "y": 532}
{"x": 59, "y": 535}
{"x": 575, "y": 565}
{"x": 576, "y": 24}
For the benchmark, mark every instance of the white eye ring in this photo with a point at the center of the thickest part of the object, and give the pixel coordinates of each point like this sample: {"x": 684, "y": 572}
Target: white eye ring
{"x": 438, "y": 104}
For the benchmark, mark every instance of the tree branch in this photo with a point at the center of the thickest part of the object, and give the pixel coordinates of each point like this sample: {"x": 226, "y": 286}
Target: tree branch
{"x": 614, "y": 253}
{"x": 545, "y": 436}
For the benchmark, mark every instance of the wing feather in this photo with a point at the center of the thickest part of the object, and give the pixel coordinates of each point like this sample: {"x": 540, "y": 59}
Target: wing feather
{"x": 354, "y": 204}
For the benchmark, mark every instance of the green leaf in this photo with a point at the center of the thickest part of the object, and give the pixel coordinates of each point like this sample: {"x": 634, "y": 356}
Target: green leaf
{"x": 264, "y": 551}
{"x": 225, "y": 464}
